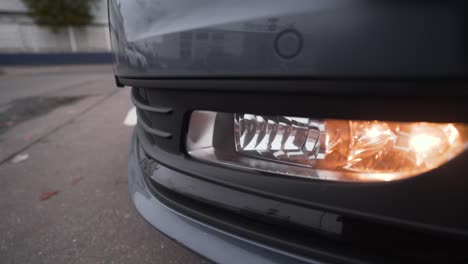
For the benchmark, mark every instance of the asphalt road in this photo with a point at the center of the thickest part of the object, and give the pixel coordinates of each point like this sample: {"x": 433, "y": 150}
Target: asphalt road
{"x": 63, "y": 172}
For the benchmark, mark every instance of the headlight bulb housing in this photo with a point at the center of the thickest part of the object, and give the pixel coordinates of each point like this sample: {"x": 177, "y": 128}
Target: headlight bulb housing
{"x": 330, "y": 149}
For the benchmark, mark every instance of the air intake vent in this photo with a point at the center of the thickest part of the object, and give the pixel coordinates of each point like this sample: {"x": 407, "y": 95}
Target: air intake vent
{"x": 147, "y": 112}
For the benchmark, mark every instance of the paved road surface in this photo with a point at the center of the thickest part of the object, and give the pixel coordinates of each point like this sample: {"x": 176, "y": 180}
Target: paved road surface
{"x": 68, "y": 201}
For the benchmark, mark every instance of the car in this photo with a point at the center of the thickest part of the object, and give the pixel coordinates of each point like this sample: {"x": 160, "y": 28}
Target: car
{"x": 300, "y": 131}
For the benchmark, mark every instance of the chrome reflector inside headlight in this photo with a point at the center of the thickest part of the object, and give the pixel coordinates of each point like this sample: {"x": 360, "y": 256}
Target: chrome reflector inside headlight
{"x": 345, "y": 150}
{"x": 289, "y": 139}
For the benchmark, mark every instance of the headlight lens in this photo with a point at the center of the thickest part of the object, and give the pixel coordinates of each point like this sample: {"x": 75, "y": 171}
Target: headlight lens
{"x": 345, "y": 150}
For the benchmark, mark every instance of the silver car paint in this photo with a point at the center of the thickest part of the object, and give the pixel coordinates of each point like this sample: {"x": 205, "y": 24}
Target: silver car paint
{"x": 338, "y": 38}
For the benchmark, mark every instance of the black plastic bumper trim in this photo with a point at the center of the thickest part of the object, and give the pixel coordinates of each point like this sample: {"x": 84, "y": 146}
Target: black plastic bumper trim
{"x": 317, "y": 86}
{"x": 222, "y": 246}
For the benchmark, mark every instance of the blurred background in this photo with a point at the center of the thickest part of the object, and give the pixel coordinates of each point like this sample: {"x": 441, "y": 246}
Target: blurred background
{"x": 47, "y": 32}
{"x": 65, "y": 130}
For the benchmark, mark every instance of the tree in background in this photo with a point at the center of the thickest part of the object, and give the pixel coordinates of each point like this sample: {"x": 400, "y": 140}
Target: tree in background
{"x": 61, "y": 13}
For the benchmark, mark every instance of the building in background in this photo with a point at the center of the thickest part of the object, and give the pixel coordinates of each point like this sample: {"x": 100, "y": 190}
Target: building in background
{"x": 19, "y": 35}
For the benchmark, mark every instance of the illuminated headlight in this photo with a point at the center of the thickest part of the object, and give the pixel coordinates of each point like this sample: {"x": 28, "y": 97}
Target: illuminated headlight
{"x": 344, "y": 150}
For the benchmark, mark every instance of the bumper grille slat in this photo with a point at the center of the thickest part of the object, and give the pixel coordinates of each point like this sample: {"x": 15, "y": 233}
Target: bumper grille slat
{"x": 140, "y": 105}
{"x": 146, "y": 113}
{"x": 153, "y": 131}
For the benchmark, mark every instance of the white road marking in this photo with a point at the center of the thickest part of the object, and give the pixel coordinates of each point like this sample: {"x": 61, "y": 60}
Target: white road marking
{"x": 131, "y": 118}
{"x": 20, "y": 158}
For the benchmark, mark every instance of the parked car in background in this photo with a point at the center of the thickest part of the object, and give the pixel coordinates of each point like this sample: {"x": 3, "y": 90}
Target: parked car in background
{"x": 300, "y": 131}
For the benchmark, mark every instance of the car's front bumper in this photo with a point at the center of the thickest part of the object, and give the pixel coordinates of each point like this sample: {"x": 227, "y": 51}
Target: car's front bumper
{"x": 208, "y": 241}
{"x": 281, "y": 219}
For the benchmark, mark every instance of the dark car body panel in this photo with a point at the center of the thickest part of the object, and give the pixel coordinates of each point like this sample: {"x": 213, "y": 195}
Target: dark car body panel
{"x": 337, "y": 38}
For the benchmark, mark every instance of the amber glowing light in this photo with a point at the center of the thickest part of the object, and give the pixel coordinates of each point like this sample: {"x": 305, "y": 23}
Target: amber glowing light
{"x": 388, "y": 150}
